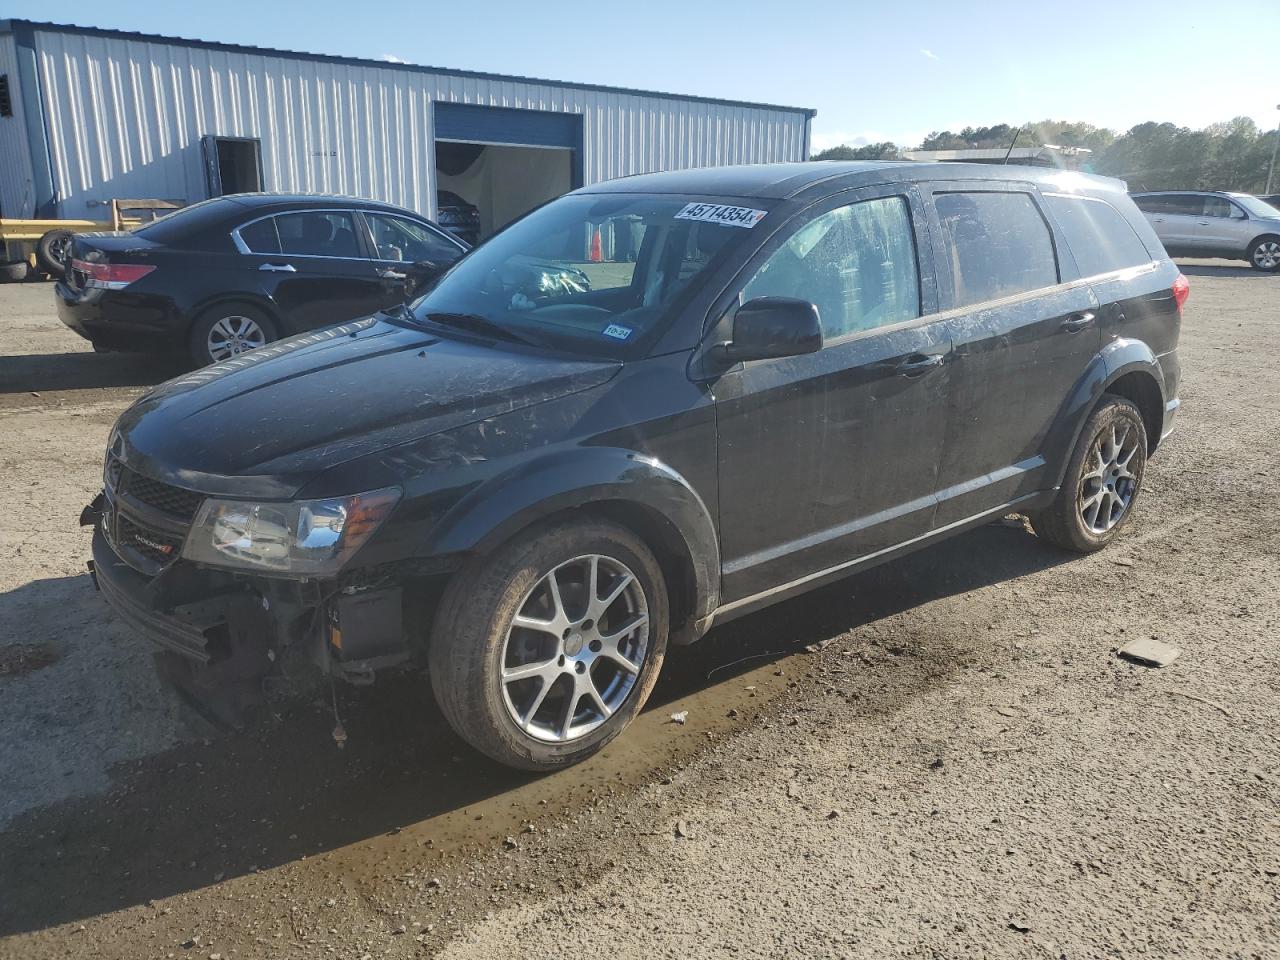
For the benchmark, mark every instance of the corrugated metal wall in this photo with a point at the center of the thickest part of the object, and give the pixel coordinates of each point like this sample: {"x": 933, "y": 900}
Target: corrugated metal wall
{"x": 17, "y": 192}
{"x": 126, "y": 116}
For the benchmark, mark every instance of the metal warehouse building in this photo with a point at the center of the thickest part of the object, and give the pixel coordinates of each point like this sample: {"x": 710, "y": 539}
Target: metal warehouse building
{"x": 87, "y": 115}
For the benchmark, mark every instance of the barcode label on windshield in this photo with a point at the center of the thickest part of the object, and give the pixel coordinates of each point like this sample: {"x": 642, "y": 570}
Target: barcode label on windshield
{"x": 722, "y": 214}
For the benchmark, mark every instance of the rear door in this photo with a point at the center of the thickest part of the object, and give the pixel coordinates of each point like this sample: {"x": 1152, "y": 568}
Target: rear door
{"x": 831, "y": 456}
{"x": 314, "y": 265}
{"x": 1022, "y": 338}
{"x": 1174, "y": 216}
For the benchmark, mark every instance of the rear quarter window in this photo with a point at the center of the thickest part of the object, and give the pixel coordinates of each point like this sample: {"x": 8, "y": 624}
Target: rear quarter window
{"x": 998, "y": 245}
{"x": 1097, "y": 233}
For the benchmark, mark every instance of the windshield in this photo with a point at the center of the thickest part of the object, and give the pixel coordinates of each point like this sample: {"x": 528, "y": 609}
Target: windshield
{"x": 1256, "y": 207}
{"x": 593, "y": 273}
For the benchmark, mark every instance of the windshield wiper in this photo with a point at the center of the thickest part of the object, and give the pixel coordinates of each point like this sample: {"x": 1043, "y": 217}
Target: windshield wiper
{"x": 475, "y": 323}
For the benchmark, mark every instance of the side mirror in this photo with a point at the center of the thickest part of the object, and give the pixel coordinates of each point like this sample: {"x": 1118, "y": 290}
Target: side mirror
{"x": 769, "y": 327}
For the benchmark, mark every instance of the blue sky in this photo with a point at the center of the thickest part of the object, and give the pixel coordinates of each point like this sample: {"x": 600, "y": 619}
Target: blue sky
{"x": 873, "y": 71}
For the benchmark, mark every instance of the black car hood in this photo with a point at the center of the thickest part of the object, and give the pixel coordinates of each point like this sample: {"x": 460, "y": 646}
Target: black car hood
{"x": 265, "y": 423}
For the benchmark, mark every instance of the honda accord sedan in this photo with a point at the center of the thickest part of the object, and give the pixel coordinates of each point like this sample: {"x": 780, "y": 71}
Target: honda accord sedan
{"x": 231, "y": 274}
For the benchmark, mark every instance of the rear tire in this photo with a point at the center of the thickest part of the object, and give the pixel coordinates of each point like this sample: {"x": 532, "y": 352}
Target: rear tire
{"x": 1102, "y": 480}
{"x": 228, "y": 330}
{"x": 53, "y": 252}
{"x": 1264, "y": 254}
{"x": 577, "y": 695}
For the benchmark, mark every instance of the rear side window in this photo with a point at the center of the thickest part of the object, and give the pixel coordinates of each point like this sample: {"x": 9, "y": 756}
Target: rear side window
{"x": 998, "y": 245}
{"x": 1183, "y": 204}
{"x": 318, "y": 233}
{"x": 261, "y": 237}
{"x": 856, "y": 263}
{"x": 1097, "y": 233}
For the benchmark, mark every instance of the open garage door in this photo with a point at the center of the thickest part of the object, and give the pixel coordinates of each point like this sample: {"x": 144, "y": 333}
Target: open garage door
{"x": 494, "y": 164}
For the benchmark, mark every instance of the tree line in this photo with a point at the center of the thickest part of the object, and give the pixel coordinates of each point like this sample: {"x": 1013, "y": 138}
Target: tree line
{"x": 1234, "y": 155}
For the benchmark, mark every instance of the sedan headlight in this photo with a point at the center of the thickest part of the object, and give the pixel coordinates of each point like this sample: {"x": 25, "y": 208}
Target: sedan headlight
{"x": 299, "y": 538}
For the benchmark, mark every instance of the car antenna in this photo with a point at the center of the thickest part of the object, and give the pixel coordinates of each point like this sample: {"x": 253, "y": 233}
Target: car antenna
{"x": 1005, "y": 161}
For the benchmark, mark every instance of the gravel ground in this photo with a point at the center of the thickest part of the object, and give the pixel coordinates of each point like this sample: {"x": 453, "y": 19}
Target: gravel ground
{"x": 964, "y": 768}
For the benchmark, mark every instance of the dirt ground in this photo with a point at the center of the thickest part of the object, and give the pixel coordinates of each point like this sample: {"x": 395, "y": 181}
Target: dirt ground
{"x": 960, "y": 767}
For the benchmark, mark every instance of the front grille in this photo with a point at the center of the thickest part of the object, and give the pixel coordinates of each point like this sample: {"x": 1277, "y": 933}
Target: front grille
{"x": 151, "y": 539}
{"x": 182, "y": 504}
{"x": 157, "y": 546}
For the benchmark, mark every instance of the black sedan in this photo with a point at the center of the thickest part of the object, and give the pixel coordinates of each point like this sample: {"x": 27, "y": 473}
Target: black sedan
{"x": 224, "y": 276}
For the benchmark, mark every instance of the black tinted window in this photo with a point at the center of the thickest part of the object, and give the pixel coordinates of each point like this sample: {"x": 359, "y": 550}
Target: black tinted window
{"x": 1098, "y": 235}
{"x": 318, "y": 233}
{"x": 998, "y": 245}
{"x": 261, "y": 237}
{"x": 1184, "y": 204}
{"x": 399, "y": 239}
{"x": 857, "y": 263}
{"x": 1150, "y": 204}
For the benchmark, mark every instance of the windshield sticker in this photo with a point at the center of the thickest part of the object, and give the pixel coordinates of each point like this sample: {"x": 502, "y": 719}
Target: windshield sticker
{"x": 617, "y": 331}
{"x": 721, "y": 213}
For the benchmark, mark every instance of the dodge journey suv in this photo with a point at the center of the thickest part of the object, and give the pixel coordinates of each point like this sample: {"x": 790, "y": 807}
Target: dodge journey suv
{"x": 529, "y": 491}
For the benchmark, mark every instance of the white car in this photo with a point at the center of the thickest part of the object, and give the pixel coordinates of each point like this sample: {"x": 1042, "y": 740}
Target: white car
{"x": 1235, "y": 226}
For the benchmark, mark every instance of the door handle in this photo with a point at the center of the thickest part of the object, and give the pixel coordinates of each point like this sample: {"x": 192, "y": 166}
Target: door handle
{"x": 1203, "y": 223}
{"x": 390, "y": 274}
{"x": 1077, "y": 322}
{"x": 278, "y": 267}
{"x": 918, "y": 364}
{"x": 1157, "y": 219}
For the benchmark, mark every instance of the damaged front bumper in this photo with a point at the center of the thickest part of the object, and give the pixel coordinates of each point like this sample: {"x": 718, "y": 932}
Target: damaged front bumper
{"x": 225, "y": 637}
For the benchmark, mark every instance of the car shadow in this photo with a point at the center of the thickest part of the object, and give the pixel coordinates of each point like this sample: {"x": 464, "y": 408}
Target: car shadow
{"x": 280, "y": 791}
{"x": 1226, "y": 268}
{"x": 50, "y": 372}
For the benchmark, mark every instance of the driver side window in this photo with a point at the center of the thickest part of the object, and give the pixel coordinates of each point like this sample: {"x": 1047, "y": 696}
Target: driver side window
{"x": 856, "y": 263}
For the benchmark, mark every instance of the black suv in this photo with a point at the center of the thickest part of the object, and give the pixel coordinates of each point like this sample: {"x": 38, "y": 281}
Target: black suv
{"x": 773, "y": 376}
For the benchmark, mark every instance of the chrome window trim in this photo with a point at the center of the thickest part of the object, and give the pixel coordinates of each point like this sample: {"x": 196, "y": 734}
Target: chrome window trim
{"x": 244, "y": 247}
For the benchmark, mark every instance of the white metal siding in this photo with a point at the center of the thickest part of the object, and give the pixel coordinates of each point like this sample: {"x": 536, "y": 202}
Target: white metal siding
{"x": 17, "y": 191}
{"x": 126, "y": 117}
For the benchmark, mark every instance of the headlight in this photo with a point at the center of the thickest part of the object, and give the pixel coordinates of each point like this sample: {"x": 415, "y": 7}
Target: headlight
{"x": 302, "y": 537}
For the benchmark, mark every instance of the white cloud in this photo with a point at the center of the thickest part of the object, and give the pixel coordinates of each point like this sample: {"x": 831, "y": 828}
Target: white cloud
{"x": 822, "y": 140}
{"x": 392, "y": 58}
{"x": 929, "y": 53}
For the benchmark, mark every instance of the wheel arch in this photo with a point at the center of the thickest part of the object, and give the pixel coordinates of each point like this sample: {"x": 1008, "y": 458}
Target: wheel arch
{"x": 638, "y": 492}
{"x": 1124, "y": 367}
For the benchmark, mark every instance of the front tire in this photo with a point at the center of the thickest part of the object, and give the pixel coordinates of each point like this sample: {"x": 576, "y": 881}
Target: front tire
{"x": 228, "y": 330}
{"x": 1264, "y": 254}
{"x": 1102, "y": 481}
{"x": 544, "y": 651}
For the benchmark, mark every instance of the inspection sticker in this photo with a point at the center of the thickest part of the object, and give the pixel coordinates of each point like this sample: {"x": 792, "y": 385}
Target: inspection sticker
{"x": 617, "y": 331}
{"x": 722, "y": 213}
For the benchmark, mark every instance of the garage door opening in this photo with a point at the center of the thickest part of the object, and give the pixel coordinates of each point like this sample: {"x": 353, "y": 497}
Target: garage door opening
{"x": 480, "y": 188}
{"x": 494, "y": 164}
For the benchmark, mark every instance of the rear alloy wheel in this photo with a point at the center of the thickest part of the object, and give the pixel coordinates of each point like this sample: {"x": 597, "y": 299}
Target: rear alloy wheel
{"x": 1102, "y": 481}
{"x": 1264, "y": 254}
{"x": 229, "y": 331}
{"x": 544, "y": 651}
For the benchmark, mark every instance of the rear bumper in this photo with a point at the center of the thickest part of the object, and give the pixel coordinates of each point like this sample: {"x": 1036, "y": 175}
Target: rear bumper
{"x": 121, "y": 320}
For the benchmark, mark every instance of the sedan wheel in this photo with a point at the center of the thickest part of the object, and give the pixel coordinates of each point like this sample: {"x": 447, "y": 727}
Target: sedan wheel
{"x": 233, "y": 335}
{"x": 575, "y": 648}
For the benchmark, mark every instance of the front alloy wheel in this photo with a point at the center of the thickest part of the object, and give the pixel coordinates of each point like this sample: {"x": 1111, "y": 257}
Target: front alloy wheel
{"x": 1265, "y": 254}
{"x": 575, "y": 648}
{"x": 543, "y": 651}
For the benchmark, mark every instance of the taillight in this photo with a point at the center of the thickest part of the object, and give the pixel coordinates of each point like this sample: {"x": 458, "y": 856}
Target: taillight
{"x": 110, "y": 276}
{"x": 1181, "y": 290}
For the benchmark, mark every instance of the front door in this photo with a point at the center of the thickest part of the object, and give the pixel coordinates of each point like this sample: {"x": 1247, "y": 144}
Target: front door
{"x": 408, "y": 255}
{"x": 1022, "y": 340}
{"x": 320, "y": 274}
{"x": 1174, "y": 217}
{"x": 1222, "y": 227}
{"x": 831, "y": 456}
